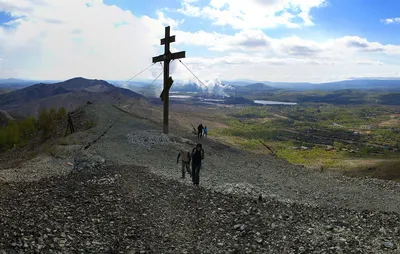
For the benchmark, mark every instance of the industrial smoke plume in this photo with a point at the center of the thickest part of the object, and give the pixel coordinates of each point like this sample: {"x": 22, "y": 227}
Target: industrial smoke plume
{"x": 209, "y": 87}
{"x": 215, "y": 87}
{"x": 186, "y": 80}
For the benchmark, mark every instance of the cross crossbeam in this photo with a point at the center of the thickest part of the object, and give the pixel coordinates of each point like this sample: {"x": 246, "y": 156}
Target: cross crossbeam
{"x": 171, "y": 39}
{"x": 166, "y": 58}
{"x": 171, "y": 56}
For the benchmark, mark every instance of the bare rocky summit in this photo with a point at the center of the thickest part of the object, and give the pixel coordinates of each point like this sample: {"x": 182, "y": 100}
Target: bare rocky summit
{"x": 127, "y": 197}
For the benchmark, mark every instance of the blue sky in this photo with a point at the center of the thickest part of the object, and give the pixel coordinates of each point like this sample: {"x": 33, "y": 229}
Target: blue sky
{"x": 4, "y": 17}
{"x": 277, "y": 40}
{"x": 339, "y": 18}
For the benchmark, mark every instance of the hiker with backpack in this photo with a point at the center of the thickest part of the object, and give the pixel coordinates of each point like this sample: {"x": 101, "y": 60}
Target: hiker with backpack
{"x": 185, "y": 157}
{"x": 197, "y": 156}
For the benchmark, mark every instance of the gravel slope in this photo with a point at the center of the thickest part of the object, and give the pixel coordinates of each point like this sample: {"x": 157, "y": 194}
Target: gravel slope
{"x": 129, "y": 210}
{"x": 139, "y": 205}
{"x": 231, "y": 170}
{"x": 40, "y": 167}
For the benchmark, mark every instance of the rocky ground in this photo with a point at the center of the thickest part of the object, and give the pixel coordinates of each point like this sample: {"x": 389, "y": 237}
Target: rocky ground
{"x": 130, "y": 210}
{"x": 140, "y": 142}
{"x": 132, "y": 200}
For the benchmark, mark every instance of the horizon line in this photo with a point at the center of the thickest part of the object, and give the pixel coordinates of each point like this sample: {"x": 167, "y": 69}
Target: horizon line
{"x": 226, "y": 80}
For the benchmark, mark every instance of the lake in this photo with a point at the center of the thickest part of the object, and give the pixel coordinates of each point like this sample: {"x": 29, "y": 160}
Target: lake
{"x": 213, "y": 100}
{"x": 180, "y": 96}
{"x": 274, "y": 102}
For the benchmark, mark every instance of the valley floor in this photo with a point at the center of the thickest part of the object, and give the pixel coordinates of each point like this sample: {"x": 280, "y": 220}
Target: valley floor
{"x": 139, "y": 204}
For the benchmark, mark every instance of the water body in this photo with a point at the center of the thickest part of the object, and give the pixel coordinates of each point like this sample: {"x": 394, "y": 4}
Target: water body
{"x": 274, "y": 102}
{"x": 213, "y": 100}
{"x": 178, "y": 92}
{"x": 180, "y": 96}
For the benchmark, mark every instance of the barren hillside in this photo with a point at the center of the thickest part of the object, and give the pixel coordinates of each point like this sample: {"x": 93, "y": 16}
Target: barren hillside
{"x": 129, "y": 197}
{"x": 68, "y": 94}
{"x": 4, "y": 117}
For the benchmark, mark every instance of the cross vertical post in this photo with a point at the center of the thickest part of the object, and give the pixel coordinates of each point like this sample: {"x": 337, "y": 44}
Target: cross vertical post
{"x": 166, "y": 58}
{"x": 165, "y": 85}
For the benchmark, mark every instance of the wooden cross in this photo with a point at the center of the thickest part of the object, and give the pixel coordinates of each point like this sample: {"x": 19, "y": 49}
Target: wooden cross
{"x": 166, "y": 58}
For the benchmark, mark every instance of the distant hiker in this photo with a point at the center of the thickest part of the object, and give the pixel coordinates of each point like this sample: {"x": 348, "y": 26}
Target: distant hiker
{"x": 184, "y": 155}
{"x": 200, "y": 131}
{"x": 197, "y": 157}
{"x": 205, "y": 131}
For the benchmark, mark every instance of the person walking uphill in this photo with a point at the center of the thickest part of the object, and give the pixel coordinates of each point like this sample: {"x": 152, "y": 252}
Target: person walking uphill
{"x": 184, "y": 155}
{"x": 200, "y": 131}
{"x": 205, "y": 132}
{"x": 197, "y": 157}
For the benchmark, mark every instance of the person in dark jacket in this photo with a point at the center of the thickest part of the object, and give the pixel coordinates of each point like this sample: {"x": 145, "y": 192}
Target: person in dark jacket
{"x": 200, "y": 131}
{"x": 197, "y": 156}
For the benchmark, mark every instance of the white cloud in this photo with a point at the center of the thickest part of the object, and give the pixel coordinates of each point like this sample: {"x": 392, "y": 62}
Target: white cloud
{"x": 294, "y": 46}
{"x": 290, "y": 58}
{"x": 254, "y": 14}
{"x": 370, "y": 62}
{"x": 106, "y": 42}
{"x": 391, "y": 21}
{"x": 245, "y": 40}
{"x": 67, "y": 38}
{"x": 190, "y": 10}
{"x": 168, "y": 21}
{"x": 244, "y": 66}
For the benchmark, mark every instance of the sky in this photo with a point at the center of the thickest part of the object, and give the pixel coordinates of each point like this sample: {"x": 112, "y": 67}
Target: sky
{"x": 262, "y": 40}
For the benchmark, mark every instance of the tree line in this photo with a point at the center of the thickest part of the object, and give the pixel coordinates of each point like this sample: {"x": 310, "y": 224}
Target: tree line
{"x": 19, "y": 132}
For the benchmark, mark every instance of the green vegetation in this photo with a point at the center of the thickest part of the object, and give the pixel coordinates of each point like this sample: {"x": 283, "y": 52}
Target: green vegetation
{"x": 250, "y": 130}
{"x": 318, "y": 156}
{"x": 47, "y": 119}
{"x": 251, "y": 112}
{"x": 18, "y": 132}
{"x": 388, "y": 170}
{"x": 317, "y": 134}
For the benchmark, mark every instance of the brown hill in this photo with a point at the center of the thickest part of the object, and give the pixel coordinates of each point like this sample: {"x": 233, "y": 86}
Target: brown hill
{"x": 69, "y": 94}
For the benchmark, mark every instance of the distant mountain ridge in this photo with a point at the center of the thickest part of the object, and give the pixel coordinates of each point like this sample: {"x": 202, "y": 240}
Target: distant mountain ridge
{"x": 13, "y": 83}
{"x": 365, "y": 84}
{"x": 68, "y": 94}
{"x": 256, "y": 87}
{"x": 381, "y": 84}
{"x": 389, "y": 85}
